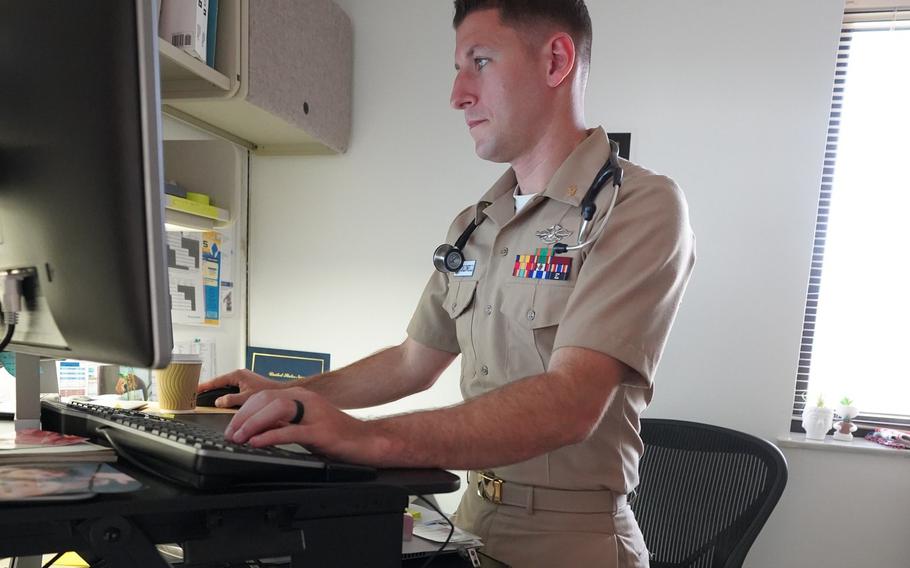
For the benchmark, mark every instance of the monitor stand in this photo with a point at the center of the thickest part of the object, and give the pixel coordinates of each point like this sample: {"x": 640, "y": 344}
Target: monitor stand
{"x": 28, "y": 391}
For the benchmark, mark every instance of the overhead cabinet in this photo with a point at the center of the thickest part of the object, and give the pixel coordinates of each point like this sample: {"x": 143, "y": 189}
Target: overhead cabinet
{"x": 282, "y": 77}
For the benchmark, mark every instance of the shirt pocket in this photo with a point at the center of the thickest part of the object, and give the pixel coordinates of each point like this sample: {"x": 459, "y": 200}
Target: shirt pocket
{"x": 458, "y": 303}
{"x": 533, "y": 313}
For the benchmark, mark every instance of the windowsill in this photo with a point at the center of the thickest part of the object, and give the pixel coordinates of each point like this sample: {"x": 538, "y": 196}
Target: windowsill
{"x": 857, "y": 446}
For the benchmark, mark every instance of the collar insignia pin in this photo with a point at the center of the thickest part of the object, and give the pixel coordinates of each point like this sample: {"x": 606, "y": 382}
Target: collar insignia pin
{"x": 554, "y": 234}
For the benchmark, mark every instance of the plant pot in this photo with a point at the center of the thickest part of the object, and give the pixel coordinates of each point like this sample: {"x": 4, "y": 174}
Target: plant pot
{"x": 844, "y": 428}
{"x": 817, "y": 421}
{"x": 847, "y": 412}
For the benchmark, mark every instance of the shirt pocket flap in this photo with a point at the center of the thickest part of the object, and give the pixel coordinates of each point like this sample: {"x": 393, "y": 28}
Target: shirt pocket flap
{"x": 459, "y": 297}
{"x": 535, "y": 306}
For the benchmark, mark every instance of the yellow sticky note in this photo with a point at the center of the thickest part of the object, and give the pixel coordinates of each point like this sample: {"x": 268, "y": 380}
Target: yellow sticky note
{"x": 71, "y": 559}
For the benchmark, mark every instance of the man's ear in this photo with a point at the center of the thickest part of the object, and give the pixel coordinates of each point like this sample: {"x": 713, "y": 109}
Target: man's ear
{"x": 561, "y": 54}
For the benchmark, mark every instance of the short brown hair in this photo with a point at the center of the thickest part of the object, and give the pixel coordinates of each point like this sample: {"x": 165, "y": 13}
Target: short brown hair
{"x": 571, "y": 14}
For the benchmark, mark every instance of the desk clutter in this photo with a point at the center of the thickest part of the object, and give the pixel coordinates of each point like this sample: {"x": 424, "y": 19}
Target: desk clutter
{"x": 69, "y": 504}
{"x": 312, "y": 525}
{"x": 62, "y": 482}
{"x": 890, "y": 437}
{"x": 32, "y": 446}
{"x": 305, "y": 523}
{"x": 430, "y": 531}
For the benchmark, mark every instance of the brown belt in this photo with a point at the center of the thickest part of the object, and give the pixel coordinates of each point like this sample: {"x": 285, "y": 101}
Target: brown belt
{"x": 501, "y": 492}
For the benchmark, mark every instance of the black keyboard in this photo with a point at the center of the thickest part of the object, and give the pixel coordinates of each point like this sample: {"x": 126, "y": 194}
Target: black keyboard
{"x": 191, "y": 454}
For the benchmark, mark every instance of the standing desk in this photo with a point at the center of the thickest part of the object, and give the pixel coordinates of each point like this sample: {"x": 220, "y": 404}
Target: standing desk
{"x": 319, "y": 525}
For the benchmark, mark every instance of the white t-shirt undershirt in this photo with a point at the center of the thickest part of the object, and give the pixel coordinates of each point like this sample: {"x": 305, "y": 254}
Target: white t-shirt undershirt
{"x": 521, "y": 200}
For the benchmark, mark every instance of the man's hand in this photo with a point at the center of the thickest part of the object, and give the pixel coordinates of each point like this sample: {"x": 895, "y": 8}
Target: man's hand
{"x": 248, "y": 381}
{"x": 265, "y": 420}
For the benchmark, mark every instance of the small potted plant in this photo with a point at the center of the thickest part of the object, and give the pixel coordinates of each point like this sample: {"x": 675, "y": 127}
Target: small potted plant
{"x": 844, "y": 429}
{"x": 818, "y": 419}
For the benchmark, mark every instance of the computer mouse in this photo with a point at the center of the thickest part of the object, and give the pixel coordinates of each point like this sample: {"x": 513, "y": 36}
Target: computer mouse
{"x": 207, "y": 398}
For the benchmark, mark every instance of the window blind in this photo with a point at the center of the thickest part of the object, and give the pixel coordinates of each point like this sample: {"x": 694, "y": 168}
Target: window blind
{"x": 854, "y": 23}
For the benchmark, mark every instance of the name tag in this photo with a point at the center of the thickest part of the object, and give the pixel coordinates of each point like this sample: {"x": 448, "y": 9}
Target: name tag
{"x": 467, "y": 269}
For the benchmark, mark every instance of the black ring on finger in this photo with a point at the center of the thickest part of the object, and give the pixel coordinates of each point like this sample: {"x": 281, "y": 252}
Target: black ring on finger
{"x": 298, "y": 416}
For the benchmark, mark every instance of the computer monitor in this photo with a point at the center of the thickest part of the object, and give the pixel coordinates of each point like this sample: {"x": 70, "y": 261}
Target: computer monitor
{"x": 81, "y": 217}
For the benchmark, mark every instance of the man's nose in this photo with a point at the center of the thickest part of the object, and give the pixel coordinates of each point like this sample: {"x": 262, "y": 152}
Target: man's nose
{"x": 462, "y": 95}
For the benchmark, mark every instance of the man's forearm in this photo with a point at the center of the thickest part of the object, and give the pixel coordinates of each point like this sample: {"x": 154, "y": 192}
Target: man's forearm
{"x": 511, "y": 424}
{"x": 382, "y": 377}
{"x": 368, "y": 382}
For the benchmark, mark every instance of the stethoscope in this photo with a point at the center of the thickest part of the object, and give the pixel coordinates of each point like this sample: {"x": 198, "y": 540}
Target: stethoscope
{"x": 449, "y": 258}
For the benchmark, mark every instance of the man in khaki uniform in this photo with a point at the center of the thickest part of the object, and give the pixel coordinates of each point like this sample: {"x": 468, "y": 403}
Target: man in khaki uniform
{"x": 559, "y": 348}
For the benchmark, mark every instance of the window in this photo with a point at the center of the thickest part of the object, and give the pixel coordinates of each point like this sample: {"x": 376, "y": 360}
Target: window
{"x": 856, "y": 328}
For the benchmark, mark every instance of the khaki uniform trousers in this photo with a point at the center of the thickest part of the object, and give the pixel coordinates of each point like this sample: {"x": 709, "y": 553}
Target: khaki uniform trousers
{"x": 550, "y": 539}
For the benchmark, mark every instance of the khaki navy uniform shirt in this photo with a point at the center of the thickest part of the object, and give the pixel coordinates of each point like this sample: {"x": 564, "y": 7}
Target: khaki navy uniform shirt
{"x": 619, "y": 298}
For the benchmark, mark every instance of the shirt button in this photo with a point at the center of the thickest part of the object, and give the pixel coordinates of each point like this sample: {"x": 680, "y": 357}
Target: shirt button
{"x": 454, "y": 305}
{"x": 504, "y": 251}
{"x": 484, "y": 371}
{"x": 489, "y": 310}
{"x": 531, "y": 315}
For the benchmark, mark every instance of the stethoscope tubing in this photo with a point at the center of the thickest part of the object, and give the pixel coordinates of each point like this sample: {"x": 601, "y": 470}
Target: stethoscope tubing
{"x": 603, "y": 225}
{"x": 449, "y": 258}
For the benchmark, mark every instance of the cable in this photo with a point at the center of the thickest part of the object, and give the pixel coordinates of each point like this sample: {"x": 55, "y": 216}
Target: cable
{"x": 448, "y": 538}
{"x": 9, "y": 332}
{"x": 9, "y": 336}
{"x": 10, "y": 328}
{"x": 50, "y": 562}
{"x": 91, "y": 481}
{"x": 134, "y": 461}
{"x": 10, "y": 304}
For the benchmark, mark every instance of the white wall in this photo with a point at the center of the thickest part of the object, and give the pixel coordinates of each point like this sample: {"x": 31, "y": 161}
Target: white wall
{"x": 729, "y": 98}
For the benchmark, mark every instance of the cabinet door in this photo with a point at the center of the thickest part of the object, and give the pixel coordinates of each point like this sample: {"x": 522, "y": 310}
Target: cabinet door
{"x": 301, "y": 66}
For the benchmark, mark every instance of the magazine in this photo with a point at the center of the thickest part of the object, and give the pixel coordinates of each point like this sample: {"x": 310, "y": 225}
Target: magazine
{"x": 58, "y": 482}
{"x": 30, "y": 446}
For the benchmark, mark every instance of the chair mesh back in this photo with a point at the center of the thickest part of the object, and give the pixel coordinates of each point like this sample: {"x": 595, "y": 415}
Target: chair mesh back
{"x": 705, "y": 492}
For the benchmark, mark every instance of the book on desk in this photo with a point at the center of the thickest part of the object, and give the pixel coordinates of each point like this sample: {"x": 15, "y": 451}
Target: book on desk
{"x": 41, "y": 446}
{"x": 62, "y": 482}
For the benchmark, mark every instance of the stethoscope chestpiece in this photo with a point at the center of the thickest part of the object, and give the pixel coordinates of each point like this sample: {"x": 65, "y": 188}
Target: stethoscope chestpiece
{"x": 447, "y": 258}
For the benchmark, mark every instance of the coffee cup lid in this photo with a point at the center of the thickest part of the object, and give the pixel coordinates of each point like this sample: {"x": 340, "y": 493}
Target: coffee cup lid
{"x": 185, "y": 358}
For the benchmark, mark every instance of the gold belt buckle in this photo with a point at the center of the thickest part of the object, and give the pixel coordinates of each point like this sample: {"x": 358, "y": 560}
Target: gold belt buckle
{"x": 489, "y": 487}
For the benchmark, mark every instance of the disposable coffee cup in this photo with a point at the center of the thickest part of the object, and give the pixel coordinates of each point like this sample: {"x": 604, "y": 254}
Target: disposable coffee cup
{"x": 177, "y": 383}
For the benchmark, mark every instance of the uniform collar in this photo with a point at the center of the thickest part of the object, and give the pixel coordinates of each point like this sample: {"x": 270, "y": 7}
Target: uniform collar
{"x": 497, "y": 203}
{"x": 568, "y": 185}
{"x": 573, "y": 178}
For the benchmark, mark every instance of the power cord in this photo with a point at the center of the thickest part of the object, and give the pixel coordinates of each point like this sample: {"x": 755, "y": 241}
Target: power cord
{"x": 50, "y": 562}
{"x": 436, "y": 552}
{"x": 10, "y": 304}
{"x": 10, "y": 328}
{"x": 121, "y": 451}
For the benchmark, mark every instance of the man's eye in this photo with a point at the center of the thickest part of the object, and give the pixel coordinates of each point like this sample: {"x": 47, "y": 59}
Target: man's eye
{"x": 480, "y": 62}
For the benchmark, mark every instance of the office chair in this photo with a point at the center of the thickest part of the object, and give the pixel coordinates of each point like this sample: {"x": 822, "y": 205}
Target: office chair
{"x": 705, "y": 492}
